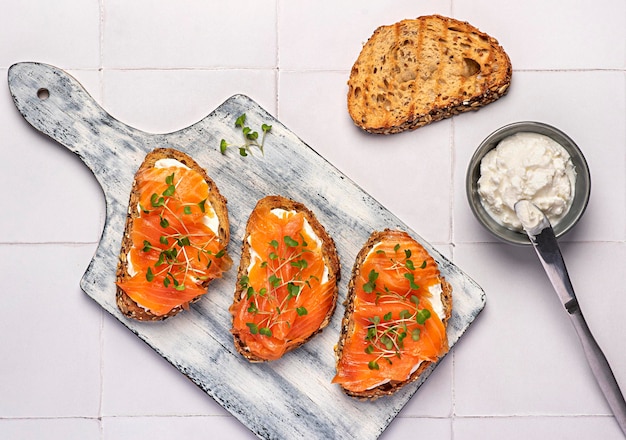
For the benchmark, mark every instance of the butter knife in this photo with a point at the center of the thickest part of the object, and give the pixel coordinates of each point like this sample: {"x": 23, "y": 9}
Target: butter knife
{"x": 542, "y": 237}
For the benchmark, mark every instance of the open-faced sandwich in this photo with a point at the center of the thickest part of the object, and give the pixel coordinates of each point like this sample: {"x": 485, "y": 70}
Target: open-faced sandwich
{"x": 175, "y": 238}
{"x": 287, "y": 280}
{"x": 418, "y": 71}
{"x": 394, "y": 326}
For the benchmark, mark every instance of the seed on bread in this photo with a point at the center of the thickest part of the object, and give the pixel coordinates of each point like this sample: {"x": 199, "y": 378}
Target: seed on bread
{"x": 419, "y": 71}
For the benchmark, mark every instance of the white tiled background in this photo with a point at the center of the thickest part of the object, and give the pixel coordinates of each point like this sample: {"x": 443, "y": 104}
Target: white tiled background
{"x": 68, "y": 370}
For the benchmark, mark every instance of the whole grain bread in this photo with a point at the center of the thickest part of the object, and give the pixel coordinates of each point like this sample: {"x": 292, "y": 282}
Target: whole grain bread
{"x": 422, "y": 70}
{"x": 331, "y": 260}
{"x": 126, "y": 305}
{"x": 347, "y": 325}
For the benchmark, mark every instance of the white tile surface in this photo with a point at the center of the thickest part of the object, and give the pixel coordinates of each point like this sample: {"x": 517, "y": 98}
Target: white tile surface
{"x": 69, "y": 371}
{"x": 189, "y": 34}
{"x": 138, "y": 382}
{"x": 530, "y": 358}
{"x": 418, "y": 427}
{"x": 552, "y": 34}
{"x": 61, "y": 428}
{"x": 167, "y": 428}
{"x": 35, "y": 30}
{"x": 50, "y": 347}
{"x": 522, "y": 428}
{"x": 163, "y": 101}
{"x": 435, "y": 397}
{"x": 347, "y": 26}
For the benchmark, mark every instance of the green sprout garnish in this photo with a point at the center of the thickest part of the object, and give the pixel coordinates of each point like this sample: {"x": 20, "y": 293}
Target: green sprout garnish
{"x": 174, "y": 247}
{"x": 291, "y": 254}
{"x": 250, "y": 138}
{"x": 386, "y": 333}
{"x": 371, "y": 282}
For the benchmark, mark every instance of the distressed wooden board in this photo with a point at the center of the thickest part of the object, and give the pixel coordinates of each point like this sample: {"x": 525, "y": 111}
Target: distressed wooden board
{"x": 289, "y": 398}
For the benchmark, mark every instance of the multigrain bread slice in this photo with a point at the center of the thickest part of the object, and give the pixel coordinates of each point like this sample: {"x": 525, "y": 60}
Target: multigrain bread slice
{"x": 215, "y": 200}
{"x": 378, "y": 293}
{"x": 422, "y": 70}
{"x": 249, "y": 294}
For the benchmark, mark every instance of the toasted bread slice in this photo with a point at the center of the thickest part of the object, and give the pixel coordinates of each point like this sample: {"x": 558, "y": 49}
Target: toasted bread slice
{"x": 397, "y": 309}
{"x": 170, "y": 253}
{"x": 286, "y": 288}
{"x": 419, "y": 71}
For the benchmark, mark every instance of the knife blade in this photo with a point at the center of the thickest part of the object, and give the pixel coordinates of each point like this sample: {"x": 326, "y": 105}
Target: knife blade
{"x": 541, "y": 235}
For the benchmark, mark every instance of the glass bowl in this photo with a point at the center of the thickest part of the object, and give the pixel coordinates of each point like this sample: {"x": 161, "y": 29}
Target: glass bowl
{"x": 581, "y": 192}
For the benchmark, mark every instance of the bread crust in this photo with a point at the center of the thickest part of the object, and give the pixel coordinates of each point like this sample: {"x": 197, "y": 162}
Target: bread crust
{"x": 329, "y": 252}
{"x": 419, "y": 71}
{"x": 347, "y": 324}
{"x": 127, "y": 306}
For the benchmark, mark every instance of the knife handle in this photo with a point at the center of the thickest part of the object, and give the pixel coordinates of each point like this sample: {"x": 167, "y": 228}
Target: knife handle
{"x": 600, "y": 368}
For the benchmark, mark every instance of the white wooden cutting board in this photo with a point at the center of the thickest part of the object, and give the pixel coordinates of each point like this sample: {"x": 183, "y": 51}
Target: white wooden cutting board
{"x": 286, "y": 399}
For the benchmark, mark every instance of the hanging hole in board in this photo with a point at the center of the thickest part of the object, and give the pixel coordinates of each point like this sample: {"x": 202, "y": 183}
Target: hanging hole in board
{"x": 43, "y": 94}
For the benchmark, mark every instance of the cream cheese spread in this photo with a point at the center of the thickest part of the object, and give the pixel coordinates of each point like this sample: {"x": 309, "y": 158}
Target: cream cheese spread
{"x": 167, "y": 162}
{"x": 526, "y": 166}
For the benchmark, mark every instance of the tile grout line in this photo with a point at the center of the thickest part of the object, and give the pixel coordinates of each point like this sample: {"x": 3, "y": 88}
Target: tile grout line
{"x": 451, "y": 238}
{"x": 277, "y": 60}
{"x": 624, "y": 154}
{"x": 101, "y": 376}
{"x": 101, "y": 49}
{"x": 49, "y": 243}
{"x": 452, "y": 148}
{"x": 101, "y": 326}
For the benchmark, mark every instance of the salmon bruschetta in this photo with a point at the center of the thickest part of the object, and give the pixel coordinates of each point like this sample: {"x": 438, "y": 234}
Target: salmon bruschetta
{"x": 287, "y": 280}
{"x": 175, "y": 237}
{"x": 394, "y": 325}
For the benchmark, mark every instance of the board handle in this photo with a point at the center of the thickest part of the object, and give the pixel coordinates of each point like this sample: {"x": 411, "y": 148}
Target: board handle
{"x": 56, "y": 104}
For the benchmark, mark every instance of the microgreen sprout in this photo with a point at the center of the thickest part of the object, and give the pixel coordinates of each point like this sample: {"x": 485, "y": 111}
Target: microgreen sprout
{"x": 371, "y": 281}
{"x": 250, "y": 138}
{"x": 175, "y": 248}
{"x": 286, "y": 282}
{"x": 386, "y": 334}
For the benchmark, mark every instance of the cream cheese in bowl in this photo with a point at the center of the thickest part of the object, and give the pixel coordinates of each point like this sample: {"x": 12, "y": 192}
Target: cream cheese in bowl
{"x": 526, "y": 166}
{"x": 527, "y": 161}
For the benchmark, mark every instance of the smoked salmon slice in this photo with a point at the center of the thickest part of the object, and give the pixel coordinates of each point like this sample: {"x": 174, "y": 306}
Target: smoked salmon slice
{"x": 175, "y": 239}
{"x": 287, "y": 280}
{"x": 395, "y": 320}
